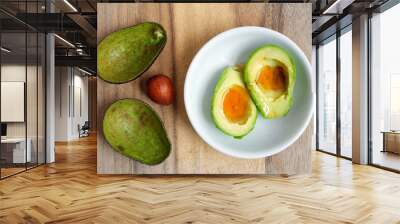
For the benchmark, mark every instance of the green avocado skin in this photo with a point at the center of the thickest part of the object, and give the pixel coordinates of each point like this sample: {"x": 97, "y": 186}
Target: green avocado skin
{"x": 126, "y": 54}
{"x": 134, "y": 129}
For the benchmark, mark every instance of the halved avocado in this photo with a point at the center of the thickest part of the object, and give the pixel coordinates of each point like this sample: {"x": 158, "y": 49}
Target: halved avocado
{"x": 233, "y": 111}
{"x": 270, "y": 76}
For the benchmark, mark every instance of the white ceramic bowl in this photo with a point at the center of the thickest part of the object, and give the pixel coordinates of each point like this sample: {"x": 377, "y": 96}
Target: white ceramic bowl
{"x": 230, "y": 48}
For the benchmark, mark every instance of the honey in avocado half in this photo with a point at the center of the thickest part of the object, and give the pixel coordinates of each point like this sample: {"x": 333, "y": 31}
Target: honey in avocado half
{"x": 232, "y": 109}
{"x": 270, "y": 76}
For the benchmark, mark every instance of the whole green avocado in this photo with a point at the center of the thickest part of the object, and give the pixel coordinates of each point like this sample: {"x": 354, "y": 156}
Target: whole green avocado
{"x": 126, "y": 54}
{"x": 134, "y": 129}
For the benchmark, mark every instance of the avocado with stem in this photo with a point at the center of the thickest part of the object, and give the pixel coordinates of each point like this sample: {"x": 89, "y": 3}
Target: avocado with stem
{"x": 126, "y": 54}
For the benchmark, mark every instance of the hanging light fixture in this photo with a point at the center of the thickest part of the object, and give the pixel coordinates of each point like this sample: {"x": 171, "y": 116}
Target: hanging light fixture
{"x": 70, "y": 5}
{"x": 5, "y": 50}
{"x": 65, "y": 41}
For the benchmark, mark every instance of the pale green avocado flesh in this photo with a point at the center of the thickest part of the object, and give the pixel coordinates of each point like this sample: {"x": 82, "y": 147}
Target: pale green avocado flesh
{"x": 126, "y": 54}
{"x": 271, "y": 104}
{"x": 230, "y": 77}
{"x": 134, "y": 129}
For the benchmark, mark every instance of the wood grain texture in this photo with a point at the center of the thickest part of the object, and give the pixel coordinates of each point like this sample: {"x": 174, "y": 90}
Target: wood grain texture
{"x": 188, "y": 27}
{"x": 92, "y": 99}
{"x": 70, "y": 191}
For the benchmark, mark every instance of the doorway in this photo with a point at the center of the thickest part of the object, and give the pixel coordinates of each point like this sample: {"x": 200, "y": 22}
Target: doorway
{"x": 75, "y": 104}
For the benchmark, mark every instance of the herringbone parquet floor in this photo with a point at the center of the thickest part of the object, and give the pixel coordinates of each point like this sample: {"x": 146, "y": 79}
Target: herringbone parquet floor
{"x": 69, "y": 191}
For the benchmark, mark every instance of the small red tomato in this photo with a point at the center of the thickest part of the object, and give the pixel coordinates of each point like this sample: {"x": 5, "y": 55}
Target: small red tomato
{"x": 160, "y": 89}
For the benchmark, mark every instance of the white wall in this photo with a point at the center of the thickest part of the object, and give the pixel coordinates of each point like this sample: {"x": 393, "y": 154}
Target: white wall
{"x": 69, "y": 82}
{"x": 12, "y": 73}
{"x": 62, "y": 81}
{"x": 79, "y": 117}
{"x": 12, "y": 101}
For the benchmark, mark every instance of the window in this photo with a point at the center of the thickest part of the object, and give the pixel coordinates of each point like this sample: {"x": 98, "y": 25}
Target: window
{"x": 346, "y": 93}
{"x": 22, "y": 77}
{"x": 334, "y": 106}
{"x": 327, "y": 97}
{"x": 385, "y": 89}
{"x": 394, "y": 116}
{"x": 314, "y": 88}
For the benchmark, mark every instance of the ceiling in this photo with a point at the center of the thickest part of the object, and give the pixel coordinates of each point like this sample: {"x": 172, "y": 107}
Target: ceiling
{"x": 16, "y": 43}
{"x": 76, "y": 22}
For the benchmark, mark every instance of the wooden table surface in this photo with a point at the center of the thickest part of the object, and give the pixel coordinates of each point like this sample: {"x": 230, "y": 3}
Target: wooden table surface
{"x": 188, "y": 27}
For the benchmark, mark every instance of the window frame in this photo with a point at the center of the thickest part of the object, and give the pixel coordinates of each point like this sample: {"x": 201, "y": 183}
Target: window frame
{"x": 336, "y": 36}
{"x": 27, "y": 29}
{"x": 381, "y": 9}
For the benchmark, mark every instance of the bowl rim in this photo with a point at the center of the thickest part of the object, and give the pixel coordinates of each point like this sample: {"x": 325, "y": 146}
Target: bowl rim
{"x": 279, "y": 147}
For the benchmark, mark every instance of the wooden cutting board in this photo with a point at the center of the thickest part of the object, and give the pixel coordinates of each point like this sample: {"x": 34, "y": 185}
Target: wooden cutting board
{"x": 189, "y": 26}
